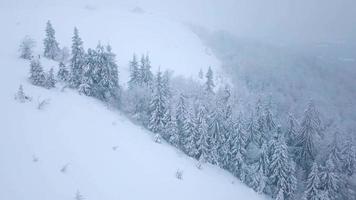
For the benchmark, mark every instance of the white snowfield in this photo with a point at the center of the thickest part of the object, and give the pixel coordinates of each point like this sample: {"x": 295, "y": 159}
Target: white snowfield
{"x": 75, "y": 147}
{"x": 75, "y": 143}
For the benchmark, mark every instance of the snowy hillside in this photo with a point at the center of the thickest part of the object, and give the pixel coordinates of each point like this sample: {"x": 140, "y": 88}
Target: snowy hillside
{"x": 80, "y": 145}
{"x": 75, "y": 147}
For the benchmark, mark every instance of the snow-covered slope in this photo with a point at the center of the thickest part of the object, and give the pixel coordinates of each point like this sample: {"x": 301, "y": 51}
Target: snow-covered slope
{"x": 75, "y": 144}
{"x": 103, "y": 154}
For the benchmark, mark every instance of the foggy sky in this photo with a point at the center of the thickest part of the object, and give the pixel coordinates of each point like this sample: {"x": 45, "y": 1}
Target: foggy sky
{"x": 276, "y": 20}
{"x": 285, "y": 21}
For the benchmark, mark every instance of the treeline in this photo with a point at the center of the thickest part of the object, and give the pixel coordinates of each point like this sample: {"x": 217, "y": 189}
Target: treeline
{"x": 205, "y": 123}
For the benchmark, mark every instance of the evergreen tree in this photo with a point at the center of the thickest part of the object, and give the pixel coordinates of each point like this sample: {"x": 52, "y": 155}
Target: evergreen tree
{"x": 134, "y": 73}
{"x": 313, "y": 191}
{"x": 26, "y": 48}
{"x": 87, "y": 84}
{"x": 349, "y": 157}
{"x": 77, "y": 61}
{"x": 146, "y": 75}
{"x": 20, "y": 95}
{"x": 254, "y": 135}
{"x": 259, "y": 175}
{"x": 158, "y": 106}
{"x": 188, "y": 136}
{"x": 332, "y": 181}
{"x": 51, "y": 47}
{"x": 109, "y": 75}
{"x": 270, "y": 124}
{"x": 281, "y": 169}
{"x": 310, "y": 128}
{"x": 181, "y": 115}
{"x": 216, "y": 130}
{"x": 335, "y": 154}
{"x": 37, "y": 76}
{"x": 63, "y": 73}
{"x": 50, "y": 80}
{"x": 166, "y": 84}
{"x": 202, "y": 133}
{"x": 170, "y": 128}
{"x": 292, "y": 127}
{"x": 209, "y": 84}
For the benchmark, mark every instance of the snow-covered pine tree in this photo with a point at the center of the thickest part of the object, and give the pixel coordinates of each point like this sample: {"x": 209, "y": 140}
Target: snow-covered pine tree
{"x": 237, "y": 144}
{"x": 291, "y": 132}
{"x": 349, "y": 157}
{"x": 260, "y": 173}
{"x": 281, "y": 169}
{"x": 87, "y": 86}
{"x": 158, "y": 106}
{"x": 254, "y": 135}
{"x": 202, "y": 133}
{"x": 63, "y": 73}
{"x": 270, "y": 124}
{"x": 305, "y": 144}
{"x": 181, "y": 116}
{"x": 209, "y": 84}
{"x": 188, "y": 136}
{"x": 170, "y": 132}
{"x": 50, "y": 80}
{"x": 166, "y": 84}
{"x": 51, "y": 47}
{"x": 146, "y": 75}
{"x": 37, "y": 76}
{"x": 215, "y": 131}
{"x": 313, "y": 189}
{"x": 109, "y": 82}
{"x": 26, "y": 48}
{"x": 20, "y": 95}
{"x": 332, "y": 181}
{"x": 77, "y": 60}
{"x": 134, "y": 73}
{"x": 335, "y": 153}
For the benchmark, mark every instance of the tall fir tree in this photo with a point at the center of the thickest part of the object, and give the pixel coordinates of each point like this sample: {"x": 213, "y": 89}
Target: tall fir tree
{"x": 189, "y": 136}
{"x": 181, "y": 115}
{"x": 63, "y": 73}
{"x": 349, "y": 157}
{"x": 50, "y": 80}
{"x": 305, "y": 142}
{"x": 281, "y": 169}
{"x": 313, "y": 189}
{"x": 37, "y": 76}
{"x": 332, "y": 181}
{"x": 134, "y": 73}
{"x": 334, "y": 154}
{"x": 146, "y": 76}
{"x": 26, "y": 48}
{"x": 51, "y": 47}
{"x": 209, "y": 84}
{"x": 158, "y": 106}
{"x": 202, "y": 133}
{"x": 292, "y": 128}
{"x": 77, "y": 61}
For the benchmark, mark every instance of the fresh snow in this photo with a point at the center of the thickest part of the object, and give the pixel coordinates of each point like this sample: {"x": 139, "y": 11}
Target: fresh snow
{"x": 106, "y": 156}
{"x": 75, "y": 146}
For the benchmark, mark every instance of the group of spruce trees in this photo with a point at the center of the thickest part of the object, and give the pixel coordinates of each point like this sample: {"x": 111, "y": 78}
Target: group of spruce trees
{"x": 283, "y": 162}
{"x": 93, "y": 73}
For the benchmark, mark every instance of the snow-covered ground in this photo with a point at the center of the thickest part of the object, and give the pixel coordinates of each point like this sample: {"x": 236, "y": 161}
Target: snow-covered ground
{"x": 77, "y": 145}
